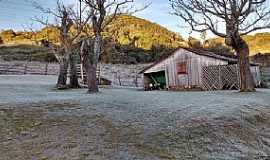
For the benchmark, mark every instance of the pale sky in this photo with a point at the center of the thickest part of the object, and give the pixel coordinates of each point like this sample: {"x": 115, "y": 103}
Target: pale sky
{"x": 16, "y": 14}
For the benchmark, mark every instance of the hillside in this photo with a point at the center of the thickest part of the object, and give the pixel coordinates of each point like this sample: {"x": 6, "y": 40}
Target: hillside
{"x": 125, "y": 30}
{"x": 258, "y": 43}
{"x": 142, "y": 33}
{"x": 129, "y": 39}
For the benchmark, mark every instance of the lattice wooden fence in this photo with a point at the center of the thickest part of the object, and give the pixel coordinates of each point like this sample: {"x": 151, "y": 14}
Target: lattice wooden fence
{"x": 220, "y": 77}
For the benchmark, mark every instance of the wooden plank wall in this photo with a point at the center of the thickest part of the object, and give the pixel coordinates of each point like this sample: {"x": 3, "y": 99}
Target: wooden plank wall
{"x": 194, "y": 68}
{"x": 35, "y": 68}
{"x": 265, "y": 75}
{"x": 255, "y": 70}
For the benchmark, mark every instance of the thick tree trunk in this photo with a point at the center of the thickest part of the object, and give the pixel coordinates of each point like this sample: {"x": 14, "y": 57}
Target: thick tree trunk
{"x": 246, "y": 79}
{"x": 62, "y": 77}
{"x": 97, "y": 49}
{"x": 73, "y": 82}
{"x": 92, "y": 82}
{"x": 234, "y": 40}
{"x": 92, "y": 67}
{"x": 89, "y": 60}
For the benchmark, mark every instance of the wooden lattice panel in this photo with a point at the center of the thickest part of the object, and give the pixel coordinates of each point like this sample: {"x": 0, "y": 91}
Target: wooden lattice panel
{"x": 220, "y": 77}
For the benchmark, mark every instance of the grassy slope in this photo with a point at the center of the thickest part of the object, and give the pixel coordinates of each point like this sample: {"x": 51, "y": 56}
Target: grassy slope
{"x": 258, "y": 43}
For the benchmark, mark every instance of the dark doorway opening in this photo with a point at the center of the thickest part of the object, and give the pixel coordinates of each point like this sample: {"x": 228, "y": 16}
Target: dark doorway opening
{"x": 155, "y": 80}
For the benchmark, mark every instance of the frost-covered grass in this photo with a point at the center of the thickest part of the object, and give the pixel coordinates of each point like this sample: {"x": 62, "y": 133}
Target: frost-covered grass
{"x": 39, "y": 122}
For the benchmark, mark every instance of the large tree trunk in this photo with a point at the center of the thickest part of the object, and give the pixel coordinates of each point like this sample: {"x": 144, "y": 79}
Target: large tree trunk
{"x": 234, "y": 40}
{"x": 89, "y": 60}
{"x": 92, "y": 82}
{"x": 246, "y": 79}
{"x": 73, "y": 83}
{"x": 92, "y": 69}
{"x": 62, "y": 77}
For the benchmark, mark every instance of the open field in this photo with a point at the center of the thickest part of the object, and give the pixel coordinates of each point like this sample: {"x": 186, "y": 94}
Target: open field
{"x": 38, "y": 122}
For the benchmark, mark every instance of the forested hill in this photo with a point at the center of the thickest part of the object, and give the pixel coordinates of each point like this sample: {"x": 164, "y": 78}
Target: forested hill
{"x": 125, "y": 30}
{"x": 143, "y": 33}
{"x": 258, "y": 43}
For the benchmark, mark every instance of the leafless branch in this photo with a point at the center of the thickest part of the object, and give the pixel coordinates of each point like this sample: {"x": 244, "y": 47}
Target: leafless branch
{"x": 105, "y": 11}
{"x": 244, "y": 15}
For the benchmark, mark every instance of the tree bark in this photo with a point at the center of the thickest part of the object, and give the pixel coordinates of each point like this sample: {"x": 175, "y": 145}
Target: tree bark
{"x": 97, "y": 49}
{"x": 62, "y": 77}
{"x": 92, "y": 82}
{"x": 92, "y": 67}
{"x": 73, "y": 82}
{"x": 246, "y": 79}
{"x": 89, "y": 61}
{"x": 241, "y": 47}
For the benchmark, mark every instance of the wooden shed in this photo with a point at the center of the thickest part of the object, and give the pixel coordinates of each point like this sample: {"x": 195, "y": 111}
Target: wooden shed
{"x": 189, "y": 68}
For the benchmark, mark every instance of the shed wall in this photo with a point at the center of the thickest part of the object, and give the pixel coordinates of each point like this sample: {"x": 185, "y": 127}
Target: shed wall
{"x": 194, "y": 65}
{"x": 255, "y": 71}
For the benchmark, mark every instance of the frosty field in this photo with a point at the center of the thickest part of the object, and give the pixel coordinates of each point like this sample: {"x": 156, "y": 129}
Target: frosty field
{"x": 38, "y": 122}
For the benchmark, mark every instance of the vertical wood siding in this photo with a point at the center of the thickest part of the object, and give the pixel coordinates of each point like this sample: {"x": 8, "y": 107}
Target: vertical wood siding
{"x": 255, "y": 70}
{"x": 194, "y": 65}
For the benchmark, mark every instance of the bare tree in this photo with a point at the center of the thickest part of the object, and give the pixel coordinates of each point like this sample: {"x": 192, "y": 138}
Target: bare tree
{"x": 66, "y": 20}
{"x": 103, "y": 12}
{"x": 230, "y": 19}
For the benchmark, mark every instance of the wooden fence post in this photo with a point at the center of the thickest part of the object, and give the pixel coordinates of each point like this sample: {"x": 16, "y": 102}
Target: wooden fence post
{"x": 136, "y": 80}
{"x": 119, "y": 78}
{"x": 25, "y": 68}
{"x": 82, "y": 75}
{"x": 99, "y": 75}
{"x": 46, "y": 69}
